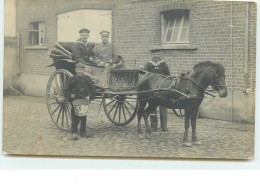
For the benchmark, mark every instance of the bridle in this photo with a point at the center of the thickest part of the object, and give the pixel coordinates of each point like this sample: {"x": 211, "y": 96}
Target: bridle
{"x": 215, "y": 85}
{"x": 199, "y": 86}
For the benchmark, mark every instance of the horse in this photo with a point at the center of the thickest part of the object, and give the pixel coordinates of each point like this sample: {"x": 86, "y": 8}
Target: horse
{"x": 185, "y": 91}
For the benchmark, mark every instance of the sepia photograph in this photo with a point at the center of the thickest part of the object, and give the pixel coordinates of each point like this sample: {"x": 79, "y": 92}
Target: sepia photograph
{"x": 153, "y": 79}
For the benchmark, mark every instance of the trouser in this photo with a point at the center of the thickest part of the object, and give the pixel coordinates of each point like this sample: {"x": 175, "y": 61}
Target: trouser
{"x": 163, "y": 118}
{"x": 75, "y": 122}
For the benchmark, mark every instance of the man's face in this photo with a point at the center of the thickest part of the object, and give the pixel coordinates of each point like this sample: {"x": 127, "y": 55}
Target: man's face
{"x": 155, "y": 56}
{"x": 105, "y": 39}
{"x": 84, "y": 37}
{"x": 79, "y": 71}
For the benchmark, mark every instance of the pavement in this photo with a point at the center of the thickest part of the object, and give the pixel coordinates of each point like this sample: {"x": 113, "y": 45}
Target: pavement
{"x": 29, "y": 130}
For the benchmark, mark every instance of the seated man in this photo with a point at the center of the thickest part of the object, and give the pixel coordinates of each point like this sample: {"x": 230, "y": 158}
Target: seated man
{"x": 105, "y": 52}
{"x": 156, "y": 65}
{"x": 82, "y": 50}
{"x": 79, "y": 86}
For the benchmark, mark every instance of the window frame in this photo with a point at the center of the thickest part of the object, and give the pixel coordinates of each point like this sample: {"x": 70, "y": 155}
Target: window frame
{"x": 40, "y": 31}
{"x": 164, "y": 30}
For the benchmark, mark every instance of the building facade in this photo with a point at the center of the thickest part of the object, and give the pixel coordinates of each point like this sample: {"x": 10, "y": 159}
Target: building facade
{"x": 187, "y": 32}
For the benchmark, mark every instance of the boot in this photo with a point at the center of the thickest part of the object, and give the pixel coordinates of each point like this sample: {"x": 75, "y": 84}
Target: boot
{"x": 74, "y": 136}
{"x": 86, "y": 135}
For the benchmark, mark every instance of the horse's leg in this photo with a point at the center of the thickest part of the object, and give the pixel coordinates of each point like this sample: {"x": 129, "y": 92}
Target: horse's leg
{"x": 140, "y": 113}
{"x": 186, "y": 125}
{"x": 147, "y": 112}
{"x": 194, "y": 113}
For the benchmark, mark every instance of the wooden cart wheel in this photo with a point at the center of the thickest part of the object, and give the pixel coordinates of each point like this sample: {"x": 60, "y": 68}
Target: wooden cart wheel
{"x": 179, "y": 112}
{"x": 60, "y": 111}
{"x": 120, "y": 109}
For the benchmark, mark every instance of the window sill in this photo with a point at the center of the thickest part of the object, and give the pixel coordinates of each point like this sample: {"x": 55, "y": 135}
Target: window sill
{"x": 36, "y": 47}
{"x": 175, "y": 47}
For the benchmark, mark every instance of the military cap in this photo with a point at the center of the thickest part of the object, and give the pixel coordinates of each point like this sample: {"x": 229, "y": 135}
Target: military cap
{"x": 80, "y": 65}
{"x": 104, "y": 32}
{"x": 155, "y": 50}
{"x": 84, "y": 30}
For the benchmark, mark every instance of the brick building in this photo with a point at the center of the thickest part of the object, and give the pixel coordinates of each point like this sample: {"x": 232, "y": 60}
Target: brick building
{"x": 187, "y": 32}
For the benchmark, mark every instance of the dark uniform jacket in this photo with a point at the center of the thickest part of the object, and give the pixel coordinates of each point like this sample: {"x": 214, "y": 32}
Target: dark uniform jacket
{"x": 160, "y": 67}
{"x": 81, "y": 86}
{"x": 82, "y": 52}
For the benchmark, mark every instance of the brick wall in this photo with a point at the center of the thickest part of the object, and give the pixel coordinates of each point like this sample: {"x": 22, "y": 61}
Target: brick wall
{"x": 137, "y": 29}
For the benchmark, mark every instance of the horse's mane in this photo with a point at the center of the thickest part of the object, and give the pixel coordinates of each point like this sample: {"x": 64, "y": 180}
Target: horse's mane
{"x": 220, "y": 70}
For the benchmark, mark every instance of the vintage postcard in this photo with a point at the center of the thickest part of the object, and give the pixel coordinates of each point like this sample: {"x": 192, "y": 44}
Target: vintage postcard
{"x": 130, "y": 78}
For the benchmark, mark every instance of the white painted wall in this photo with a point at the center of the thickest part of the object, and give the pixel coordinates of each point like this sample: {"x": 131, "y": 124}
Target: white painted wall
{"x": 10, "y": 12}
{"x": 70, "y": 23}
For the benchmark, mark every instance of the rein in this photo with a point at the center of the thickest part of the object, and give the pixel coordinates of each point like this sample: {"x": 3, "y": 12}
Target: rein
{"x": 174, "y": 81}
{"x": 204, "y": 89}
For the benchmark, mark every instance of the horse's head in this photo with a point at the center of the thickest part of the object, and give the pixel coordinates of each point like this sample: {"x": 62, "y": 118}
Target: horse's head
{"x": 218, "y": 80}
{"x": 209, "y": 73}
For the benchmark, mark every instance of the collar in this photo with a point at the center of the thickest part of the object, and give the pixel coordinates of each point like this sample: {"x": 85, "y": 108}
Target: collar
{"x": 105, "y": 44}
{"x": 158, "y": 63}
{"x": 79, "y": 41}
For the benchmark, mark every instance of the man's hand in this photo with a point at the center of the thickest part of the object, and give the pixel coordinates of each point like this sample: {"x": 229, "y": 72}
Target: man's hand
{"x": 107, "y": 64}
{"x": 91, "y": 59}
{"x": 61, "y": 99}
{"x": 73, "y": 96}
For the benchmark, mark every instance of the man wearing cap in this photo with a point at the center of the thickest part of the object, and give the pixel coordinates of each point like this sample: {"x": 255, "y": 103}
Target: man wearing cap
{"x": 105, "y": 52}
{"x": 82, "y": 50}
{"x": 79, "y": 86}
{"x": 156, "y": 65}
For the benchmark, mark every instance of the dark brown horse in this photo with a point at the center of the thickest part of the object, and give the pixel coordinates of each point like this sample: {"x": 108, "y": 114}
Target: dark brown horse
{"x": 189, "y": 95}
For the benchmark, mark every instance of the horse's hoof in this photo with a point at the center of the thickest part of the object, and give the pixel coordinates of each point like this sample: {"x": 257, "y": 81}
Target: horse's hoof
{"x": 197, "y": 143}
{"x": 187, "y": 144}
{"x": 140, "y": 136}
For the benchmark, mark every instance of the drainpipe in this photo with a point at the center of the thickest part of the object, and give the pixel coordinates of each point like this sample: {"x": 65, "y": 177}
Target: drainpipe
{"x": 232, "y": 98}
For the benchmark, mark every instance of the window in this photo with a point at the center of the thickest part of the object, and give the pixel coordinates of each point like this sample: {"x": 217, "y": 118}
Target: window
{"x": 175, "y": 27}
{"x": 37, "y": 33}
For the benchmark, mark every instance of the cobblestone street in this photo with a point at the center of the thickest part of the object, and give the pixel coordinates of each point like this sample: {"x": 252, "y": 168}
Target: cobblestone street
{"x": 28, "y": 130}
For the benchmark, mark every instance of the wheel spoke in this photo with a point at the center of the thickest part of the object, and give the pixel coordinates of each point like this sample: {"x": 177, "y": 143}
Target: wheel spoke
{"x": 55, "y": 80}
{"x": 112, "y": 108}
{"x": 65, "y": 79}
{"x": 130, "y": 104}
{"x": 60, "y": 80}
{"x": 116, "y": 111}
{"x": 52, "y": 95}
{"x": 123, "y": 111}
{"x": 55, "y": 109}
{"x": 62, "y": 118}
{"x": 67, "y": 121}
{"x": 53, "y": 103}
{"x": 127, "y": 109}
{"x": 119, "y": 112}
{"x": 110, "y": 102}
{"x": 58, "y": 117}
